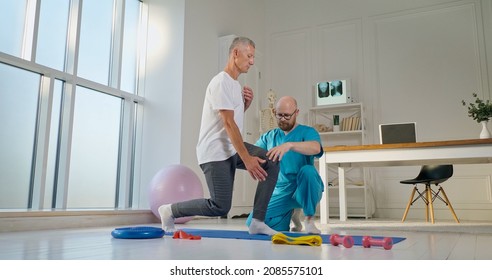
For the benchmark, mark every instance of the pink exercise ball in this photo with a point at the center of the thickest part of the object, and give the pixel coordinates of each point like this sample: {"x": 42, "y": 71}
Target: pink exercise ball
{"x": 174, "y": 183}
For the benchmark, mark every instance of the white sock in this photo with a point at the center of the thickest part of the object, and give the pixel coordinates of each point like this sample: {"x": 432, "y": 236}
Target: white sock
{"x": 259, "y": 227}
{"x": 311, "y": 226}
{"x": 296, "y": 219}
{"x": 167, "y": 218}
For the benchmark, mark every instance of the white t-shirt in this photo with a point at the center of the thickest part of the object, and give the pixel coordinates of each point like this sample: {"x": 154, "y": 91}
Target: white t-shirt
{"x": 223, "y": 93}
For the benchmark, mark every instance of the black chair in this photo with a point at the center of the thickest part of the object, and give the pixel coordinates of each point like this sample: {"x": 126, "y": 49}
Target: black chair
{"x": 430, "y": 175}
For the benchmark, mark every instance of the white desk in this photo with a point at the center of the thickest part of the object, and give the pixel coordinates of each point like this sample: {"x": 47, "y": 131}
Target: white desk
{"x": 421, "y": 153}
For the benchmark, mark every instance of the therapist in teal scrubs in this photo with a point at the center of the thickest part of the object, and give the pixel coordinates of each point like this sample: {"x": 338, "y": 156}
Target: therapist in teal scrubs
{"x": 299, "y": 186}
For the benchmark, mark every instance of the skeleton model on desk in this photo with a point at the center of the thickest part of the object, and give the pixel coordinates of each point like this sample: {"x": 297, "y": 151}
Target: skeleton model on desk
{"x": 267, "y": 116}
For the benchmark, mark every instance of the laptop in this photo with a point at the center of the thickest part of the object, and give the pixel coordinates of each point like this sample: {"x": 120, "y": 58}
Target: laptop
{"x": 394, "y": 133}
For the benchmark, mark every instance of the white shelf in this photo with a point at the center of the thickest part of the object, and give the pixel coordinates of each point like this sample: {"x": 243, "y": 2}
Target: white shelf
{"x": 339, "y": 107}
{"x": 323, "y": 115}
{"x": 341, "y": 132}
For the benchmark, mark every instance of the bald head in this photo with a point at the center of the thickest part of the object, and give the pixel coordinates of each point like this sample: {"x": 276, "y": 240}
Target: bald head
{"x": 287, "y": 104}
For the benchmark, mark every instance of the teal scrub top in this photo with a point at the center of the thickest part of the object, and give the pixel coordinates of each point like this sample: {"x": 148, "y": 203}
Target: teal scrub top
{"x": 292, "y": 161}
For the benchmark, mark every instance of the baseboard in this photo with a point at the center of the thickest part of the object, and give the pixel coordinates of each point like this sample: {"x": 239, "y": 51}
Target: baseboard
{"x": 44, "y": 220}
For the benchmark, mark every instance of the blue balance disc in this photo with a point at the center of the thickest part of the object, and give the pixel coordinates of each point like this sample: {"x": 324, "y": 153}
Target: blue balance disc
{"x": 137, "y": 232}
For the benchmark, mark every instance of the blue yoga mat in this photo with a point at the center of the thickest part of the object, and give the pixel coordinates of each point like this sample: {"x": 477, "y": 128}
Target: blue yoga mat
{"x": 239, "y": 234}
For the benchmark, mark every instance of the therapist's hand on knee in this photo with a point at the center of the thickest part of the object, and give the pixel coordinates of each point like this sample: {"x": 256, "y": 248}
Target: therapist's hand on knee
{"x": 276, "y": 153}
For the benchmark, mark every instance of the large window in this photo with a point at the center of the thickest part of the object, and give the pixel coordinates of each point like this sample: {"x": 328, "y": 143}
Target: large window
{"x": 52, "y": 33}
{"x": 69, "y": 91}
{"x": 95, "y": 40}
{"x": 18, "y": 112}
{"x": 131, "y": 42}
{"x": 54, "y": 135}
{"x": 95, "y": 144}
{"x": 12, "y": 18}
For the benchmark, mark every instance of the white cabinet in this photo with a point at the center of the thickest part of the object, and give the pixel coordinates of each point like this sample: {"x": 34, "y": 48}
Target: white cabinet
{"x": 350, "y": 131}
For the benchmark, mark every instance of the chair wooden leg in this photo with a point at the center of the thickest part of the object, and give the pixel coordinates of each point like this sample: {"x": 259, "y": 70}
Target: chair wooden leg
{"x": 431, "y": 207}
{"x": 426, "y": 206}
{"x": 408, "y": 204}
{"x": 449, "y": 204}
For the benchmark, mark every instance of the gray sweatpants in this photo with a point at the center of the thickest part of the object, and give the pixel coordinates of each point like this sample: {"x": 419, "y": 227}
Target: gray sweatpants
{"x": 220, "y": 180}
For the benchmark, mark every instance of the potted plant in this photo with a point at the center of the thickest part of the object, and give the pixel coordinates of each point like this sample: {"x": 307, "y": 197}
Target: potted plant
{"x": 481, "y": 112}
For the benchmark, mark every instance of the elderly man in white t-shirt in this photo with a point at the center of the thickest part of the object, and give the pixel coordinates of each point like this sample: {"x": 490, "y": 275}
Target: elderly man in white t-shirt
{"x": 221, "y": 150}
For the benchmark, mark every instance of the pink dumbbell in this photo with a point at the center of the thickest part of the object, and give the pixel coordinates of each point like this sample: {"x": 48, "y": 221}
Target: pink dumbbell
{"x": 386, "y": 243}
{"x": 347, "y": 241}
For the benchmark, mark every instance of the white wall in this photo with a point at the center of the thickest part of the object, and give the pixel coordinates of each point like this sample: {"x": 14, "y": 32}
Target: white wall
{"x": 161, "y": 133}
{"x": 206, "y": 21}
{"x": 407, "y": 61}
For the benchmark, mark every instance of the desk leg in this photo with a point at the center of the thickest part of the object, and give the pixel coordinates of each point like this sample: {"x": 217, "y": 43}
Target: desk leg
{"x": 324, "y": 207}
{"x": 342, "y": 194}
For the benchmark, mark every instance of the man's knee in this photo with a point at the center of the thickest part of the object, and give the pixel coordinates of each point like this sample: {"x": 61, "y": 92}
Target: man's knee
{"x": 271, "y": 167}
{"x": 308, "y": 171}
{"x": 221, "y": 212}
{"x": 309, "y": 176}
{"x": 220, "y": 209}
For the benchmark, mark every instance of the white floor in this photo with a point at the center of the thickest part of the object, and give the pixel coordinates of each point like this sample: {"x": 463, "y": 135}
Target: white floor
{"x": 98, "y": 244}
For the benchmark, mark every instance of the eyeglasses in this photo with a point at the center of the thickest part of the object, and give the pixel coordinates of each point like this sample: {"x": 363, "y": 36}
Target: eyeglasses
{"x": 285, "y": 116}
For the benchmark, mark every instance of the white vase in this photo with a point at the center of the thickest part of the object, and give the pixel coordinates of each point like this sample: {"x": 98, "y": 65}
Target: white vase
{"x": 485, "y": 130}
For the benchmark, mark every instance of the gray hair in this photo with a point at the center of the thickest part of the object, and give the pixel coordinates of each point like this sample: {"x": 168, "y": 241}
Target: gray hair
{"x": 241, "y": 41}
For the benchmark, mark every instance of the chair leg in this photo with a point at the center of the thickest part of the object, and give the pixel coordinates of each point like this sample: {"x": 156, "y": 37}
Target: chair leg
{"x": 408, "y": 204}
{"x": 429, "y": 198}
{"x": 425, "y": 199}
{"x": 449, "y": 204}
{"x": 426, "y": 206}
